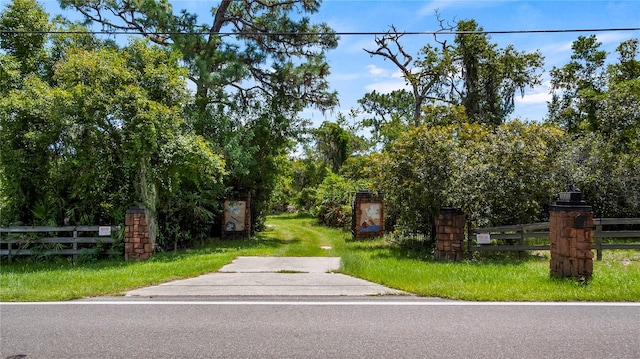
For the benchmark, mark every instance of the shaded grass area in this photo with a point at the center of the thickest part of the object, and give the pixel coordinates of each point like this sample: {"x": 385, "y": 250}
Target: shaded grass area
{"x": 616, "y": 278}
{"x": 303, "y": 238}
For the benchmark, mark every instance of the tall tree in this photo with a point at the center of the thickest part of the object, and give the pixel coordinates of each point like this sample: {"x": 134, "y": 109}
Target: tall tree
{"x": 333, "y": 144}
{"x": 491, "y": 76}
{"x": 101, "y": 130}
{"x": 25, "y": 24}
{"x": 388, "y": 115}
{"x": 591, "y": 96}
{"x": 471, "y": 72}
{"x": 576, "y": 84}
{"x": 426, "y": 75}
{"x": 248, "y": 45}
{"x": 26, "y": 131}
{"x": 255, "y": 65}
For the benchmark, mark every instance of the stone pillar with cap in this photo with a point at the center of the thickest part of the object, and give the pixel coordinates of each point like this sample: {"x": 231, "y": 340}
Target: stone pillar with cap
{"x": 138, "y": 244}
{"x": 450, "y": 234}
{"x": 571, "y": 237}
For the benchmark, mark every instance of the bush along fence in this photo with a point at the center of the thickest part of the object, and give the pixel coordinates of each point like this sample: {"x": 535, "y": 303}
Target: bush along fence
{"x": 52, "y": 240}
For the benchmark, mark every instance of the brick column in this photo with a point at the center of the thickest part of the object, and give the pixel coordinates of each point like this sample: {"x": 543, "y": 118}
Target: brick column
{"x": 367, "y": 215}
{"x": 450, "y": 235}
{"x": 571, "y": 237}
{"x": 137, "y": 241}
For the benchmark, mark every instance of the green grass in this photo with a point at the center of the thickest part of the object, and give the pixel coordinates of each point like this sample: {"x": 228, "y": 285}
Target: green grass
{"x": 493, "y": 280}
{"x": 616, "y": 278}
{"x": 62, "y": 280}
{"x": 303, "y": 238}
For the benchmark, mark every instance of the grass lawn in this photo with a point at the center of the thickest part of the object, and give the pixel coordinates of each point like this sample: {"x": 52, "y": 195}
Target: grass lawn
{"x": 59, "y": 279}
{"x": 616, "y": 278}
{"x": 493, "y": 280}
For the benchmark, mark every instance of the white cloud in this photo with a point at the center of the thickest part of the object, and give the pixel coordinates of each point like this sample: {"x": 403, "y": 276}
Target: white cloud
{"x": 557, "y": 48}
{"x": 382, "y": 73}
{"x": 533, "y": 105}
{"x": 376, "y": 71}
{"x": 556, "y": 53}
{"x": 397, "y": 75}
{"x": 386, "y": 86}
{"x": 370, "y": 72}
{"x": 537, "y": 96}
{"x": 534, "y": 98}
{"x": 613, "y": 37}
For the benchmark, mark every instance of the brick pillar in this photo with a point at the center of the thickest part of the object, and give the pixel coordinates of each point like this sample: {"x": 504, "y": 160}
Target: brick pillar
{"x": 137, "y": 241}
{"x": 450, "y": 235}
{"x": 367, "y": 215}
{"x": 571, "y": 237}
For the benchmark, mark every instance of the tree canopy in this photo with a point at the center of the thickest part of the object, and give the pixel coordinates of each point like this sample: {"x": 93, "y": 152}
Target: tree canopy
{"x": 255, "y": 65}
{"x": 590, "y": 95}
{"x": 257, "y": 62}
{"x": 472, "y": 72}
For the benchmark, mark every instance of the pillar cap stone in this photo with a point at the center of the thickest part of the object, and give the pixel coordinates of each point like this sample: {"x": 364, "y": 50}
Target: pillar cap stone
{"x": 135, "y": 209}
{"x": 451, "y": 210}
{"x": 570, "y": 200}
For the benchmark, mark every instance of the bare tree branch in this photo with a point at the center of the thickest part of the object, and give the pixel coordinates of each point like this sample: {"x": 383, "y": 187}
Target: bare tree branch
{"x": 422, "y": 82}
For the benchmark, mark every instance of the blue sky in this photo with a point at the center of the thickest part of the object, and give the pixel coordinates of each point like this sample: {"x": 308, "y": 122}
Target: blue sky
{"x": 354, "y": 72}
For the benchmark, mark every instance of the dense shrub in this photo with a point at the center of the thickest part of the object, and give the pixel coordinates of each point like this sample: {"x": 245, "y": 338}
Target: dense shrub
{"x": 333, "y": 200}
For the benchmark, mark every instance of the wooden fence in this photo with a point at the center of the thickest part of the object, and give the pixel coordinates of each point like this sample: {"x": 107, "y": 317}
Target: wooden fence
{"x": 535, "y": 237}
{"x": 603, "y": 230}
{"x": 67, "y": 240}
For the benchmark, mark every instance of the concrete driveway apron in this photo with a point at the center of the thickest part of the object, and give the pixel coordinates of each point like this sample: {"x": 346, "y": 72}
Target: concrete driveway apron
{"x": 271, "y": 276}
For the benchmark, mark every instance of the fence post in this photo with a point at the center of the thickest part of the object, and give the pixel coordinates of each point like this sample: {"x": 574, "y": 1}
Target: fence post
{"x": 75, "y": 244}
{"x": 571, "y": 237}
{"x": 599, "y": 241}
{"x": 470, "y": 233}
{"x": 521, "y": 254}
{"x": 450, "y": 234}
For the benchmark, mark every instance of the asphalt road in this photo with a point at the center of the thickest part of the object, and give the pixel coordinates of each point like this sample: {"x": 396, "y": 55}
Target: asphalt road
{"x": 319, "y": 327}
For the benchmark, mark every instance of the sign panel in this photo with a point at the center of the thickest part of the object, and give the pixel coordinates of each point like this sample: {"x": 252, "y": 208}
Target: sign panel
{"x": 234, "y": 215}
{"x": 371, "y": 217}
{"x": 483, "y": 238}
{"x": 104, "y": 231}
